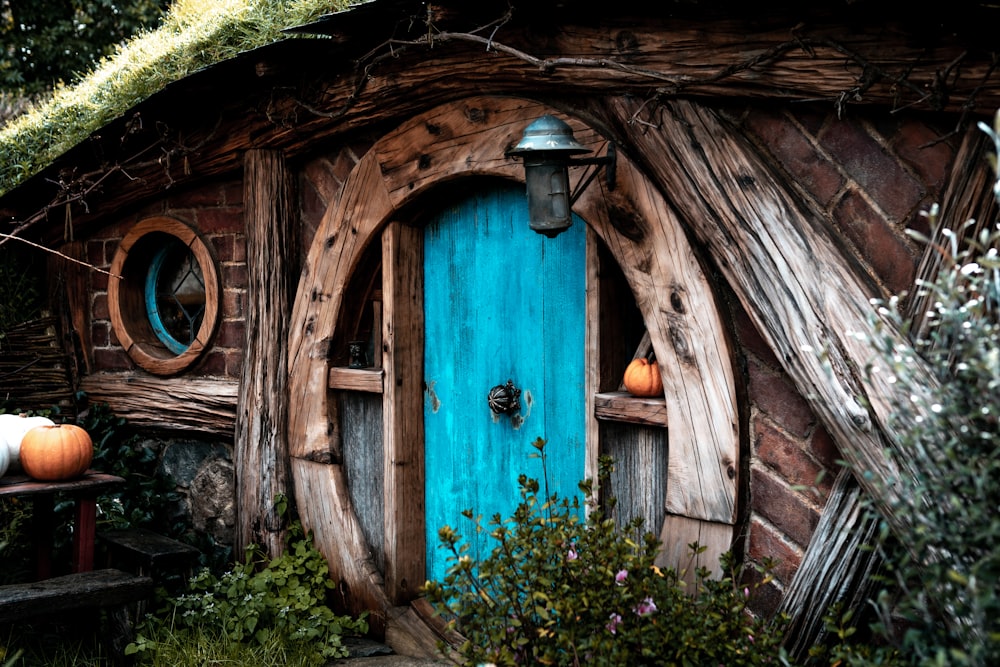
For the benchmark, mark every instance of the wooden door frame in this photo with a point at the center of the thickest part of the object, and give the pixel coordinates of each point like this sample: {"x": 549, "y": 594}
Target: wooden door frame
{"x": 642, "y": 233}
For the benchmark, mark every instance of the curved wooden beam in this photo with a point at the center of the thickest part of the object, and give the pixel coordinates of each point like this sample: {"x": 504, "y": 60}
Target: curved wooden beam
{"x": 786, "y": 268}
{"x": 467, "y": 139}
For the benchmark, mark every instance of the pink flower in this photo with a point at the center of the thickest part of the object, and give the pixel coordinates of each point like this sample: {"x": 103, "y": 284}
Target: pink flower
{"x": 614, "y": 621}
{"x": 620, "y": 577}
{"x": 572, "y": 554}
{"x": 645, "y": 608}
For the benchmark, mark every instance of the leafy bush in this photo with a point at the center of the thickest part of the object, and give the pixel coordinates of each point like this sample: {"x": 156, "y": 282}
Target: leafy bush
{"x": 946, "y": 567}
{"x": 256, "y": 604}
{"x": 559, "y": 589}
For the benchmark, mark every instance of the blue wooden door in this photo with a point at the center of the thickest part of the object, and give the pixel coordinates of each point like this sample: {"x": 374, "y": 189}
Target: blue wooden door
{"x": 501, "y": 303}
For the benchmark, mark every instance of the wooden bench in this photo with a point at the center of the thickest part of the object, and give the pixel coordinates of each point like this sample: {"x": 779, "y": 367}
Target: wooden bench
{"x": 110, "y": 589}
{"x": 148, "y": 553}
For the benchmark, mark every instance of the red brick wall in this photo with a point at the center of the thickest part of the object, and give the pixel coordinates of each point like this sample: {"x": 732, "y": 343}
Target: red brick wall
{"x": 872, "y": 178}
{"x": 216, "y": 213}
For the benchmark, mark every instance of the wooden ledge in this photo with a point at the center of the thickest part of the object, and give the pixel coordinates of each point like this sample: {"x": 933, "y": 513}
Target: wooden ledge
{"x": 356, "y": 379}
{"x": 621, "y": 406}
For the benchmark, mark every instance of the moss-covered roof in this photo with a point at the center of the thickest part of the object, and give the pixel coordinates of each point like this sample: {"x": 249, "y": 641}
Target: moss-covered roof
{"x": 195, "y": 36}
{"x": 192, "y": 36}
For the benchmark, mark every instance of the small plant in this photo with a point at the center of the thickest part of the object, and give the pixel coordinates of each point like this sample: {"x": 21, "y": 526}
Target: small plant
{"x": 944, "y": 566}
{"x": 559, "y": 589}
{"x": 255, "y": 605}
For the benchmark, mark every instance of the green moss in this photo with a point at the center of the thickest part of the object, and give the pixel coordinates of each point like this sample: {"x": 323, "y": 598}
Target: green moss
{"x": 192, "y": 36}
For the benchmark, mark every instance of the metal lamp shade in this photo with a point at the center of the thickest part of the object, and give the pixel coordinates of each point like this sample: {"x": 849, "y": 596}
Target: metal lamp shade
{"x": 546, "y": 148}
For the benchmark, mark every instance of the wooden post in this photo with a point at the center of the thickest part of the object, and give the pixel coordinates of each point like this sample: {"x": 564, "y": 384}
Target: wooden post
{"x": 261, "y": 450}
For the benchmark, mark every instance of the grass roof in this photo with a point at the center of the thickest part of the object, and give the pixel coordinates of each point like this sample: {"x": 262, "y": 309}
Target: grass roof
{"x": 193, "y": 35}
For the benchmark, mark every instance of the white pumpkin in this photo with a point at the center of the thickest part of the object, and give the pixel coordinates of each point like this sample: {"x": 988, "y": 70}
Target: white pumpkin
{"x": 4, "y": 460}
{"x": 12, "y": 430}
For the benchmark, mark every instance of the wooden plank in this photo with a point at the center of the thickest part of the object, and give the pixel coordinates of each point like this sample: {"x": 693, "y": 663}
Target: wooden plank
{"x": 403, "y": 342}
{"x": 596, "y": 329}
{"x": 362, "y": 208}
{"x": 261, "y": 449}
{"x": 967, "y": 198}
{"x": 97, "y": 588}
{"x": 186, "y": 405}
{"x": 837, "y": 566}
{"x": 622, "y": 406}
{"x": 680, "y": 531}
{"x": 361, "y": 433}
{"x": 688, "y": 337}
{"x": 356, "y": 379}
{"x": 638, "y": 480}
{"x": 339, "y": 537}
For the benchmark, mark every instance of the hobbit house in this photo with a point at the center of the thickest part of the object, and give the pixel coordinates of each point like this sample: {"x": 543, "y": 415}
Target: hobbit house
{"x": 345, "y": 236}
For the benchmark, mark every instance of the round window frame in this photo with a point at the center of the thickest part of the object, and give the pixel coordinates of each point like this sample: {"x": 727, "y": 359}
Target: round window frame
{"x": 127, "y": 296}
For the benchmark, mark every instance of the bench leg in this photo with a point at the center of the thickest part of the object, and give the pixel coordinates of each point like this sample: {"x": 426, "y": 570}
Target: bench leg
{"x": 120, "y": 635}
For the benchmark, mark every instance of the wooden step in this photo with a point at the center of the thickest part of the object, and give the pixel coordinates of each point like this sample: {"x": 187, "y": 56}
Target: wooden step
{"x": 146, "y": 551}
{"x": 97, "y": 588}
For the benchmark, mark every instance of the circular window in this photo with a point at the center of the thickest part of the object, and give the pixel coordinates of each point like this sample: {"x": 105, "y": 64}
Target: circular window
{"x": 164, "y": 301}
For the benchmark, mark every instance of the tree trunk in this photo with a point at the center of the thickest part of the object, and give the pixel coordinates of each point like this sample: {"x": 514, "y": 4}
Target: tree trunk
{"x": 262, "y": 410}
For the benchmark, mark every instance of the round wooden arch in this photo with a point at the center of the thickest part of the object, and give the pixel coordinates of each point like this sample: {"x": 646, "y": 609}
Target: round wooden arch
{"x": 468, "y": 138}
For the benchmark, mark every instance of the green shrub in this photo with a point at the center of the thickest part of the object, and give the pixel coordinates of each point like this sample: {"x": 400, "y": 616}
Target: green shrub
{"x": 559, "y": 589}
{"x": 255, "y": 605}
{"x": 945, "y": 566}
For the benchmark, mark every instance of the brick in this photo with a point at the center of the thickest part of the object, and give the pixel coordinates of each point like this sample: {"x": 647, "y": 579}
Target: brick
{"x": 99, "y": 281}
{"x": 775, "y": 396}
{"x": 772, "y": 499}
{"x": 919, "y": 145}
{"x": 232, "y": 194}
{"x": 885, "y": 251}
{"x": 95, "y": 253}
{"x": 797, "y": 155}
{"x": 875, "y": 171}
{"x": 319, "y": 179}
{"x": 311, "y": 206}
{"x": 99, "y": 306}
{"x": 232, "y": 334}
{"x": 219, "y": 220}
{"x": 100, "y": 334}
{"x": 764, "y": 598}
{"x": 234, "y": 363}
{"x": 790, "y": 461}
{"x": 766, "y": 542}
{"x": 113, "y": 359}
{"x": 232, "y": 303}
{"x": 811, "y": 119}
{"x": 750, "y": 338}
{"x": 234, "y": 275}
{"x": 204, "y": 197}
{"x": 213, "y": 363}
{"x": 824, "y": 450}
{"x": 223, "y": 244}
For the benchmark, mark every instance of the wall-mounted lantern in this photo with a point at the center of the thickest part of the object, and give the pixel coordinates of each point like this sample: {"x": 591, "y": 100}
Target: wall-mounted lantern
{"x": 547, "y": 149}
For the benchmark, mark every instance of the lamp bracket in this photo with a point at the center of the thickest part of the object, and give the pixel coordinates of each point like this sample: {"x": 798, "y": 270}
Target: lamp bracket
{"x": 610, "y": 164}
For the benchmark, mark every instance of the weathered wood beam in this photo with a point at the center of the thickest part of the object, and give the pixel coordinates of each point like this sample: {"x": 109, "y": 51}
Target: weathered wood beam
{"x": 261, "y": 447}
{"x": 781, "y": 260}
{"x": 827, "y": 62}
{"x": 187, "y": 405}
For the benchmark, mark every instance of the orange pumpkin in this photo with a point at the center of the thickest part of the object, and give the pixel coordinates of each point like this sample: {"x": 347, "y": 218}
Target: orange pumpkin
{"x": 642, "y": 378}
{"x": 56, "y": 452}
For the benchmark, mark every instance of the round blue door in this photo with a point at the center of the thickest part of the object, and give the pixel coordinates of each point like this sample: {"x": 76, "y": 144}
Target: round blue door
{"x": 502, "y": 303}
